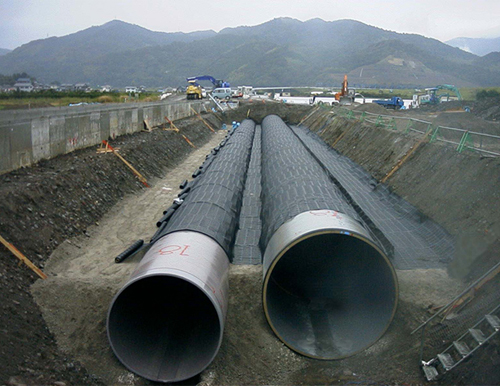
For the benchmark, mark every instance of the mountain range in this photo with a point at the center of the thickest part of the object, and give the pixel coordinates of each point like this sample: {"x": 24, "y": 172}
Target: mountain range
{"x": 477, "y": 46}
{"x": 280, "y": 52}
{"x": 4, "y": 51}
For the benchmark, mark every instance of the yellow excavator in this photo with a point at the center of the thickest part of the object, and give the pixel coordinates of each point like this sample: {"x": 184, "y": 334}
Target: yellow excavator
{"x": 193, "y": 90}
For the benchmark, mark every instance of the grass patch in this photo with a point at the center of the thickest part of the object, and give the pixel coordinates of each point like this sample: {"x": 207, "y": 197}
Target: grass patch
{"x": 470, "y": 93}
{"x": 12, "y": 101}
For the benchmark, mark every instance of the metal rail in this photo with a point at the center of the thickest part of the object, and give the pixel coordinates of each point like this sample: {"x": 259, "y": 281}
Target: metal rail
{"x": 459, "y": 144}
{"x": 454, "y": 300}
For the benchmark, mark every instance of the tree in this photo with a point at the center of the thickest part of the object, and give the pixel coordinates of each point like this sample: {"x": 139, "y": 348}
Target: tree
{"x": 483, "y": 94}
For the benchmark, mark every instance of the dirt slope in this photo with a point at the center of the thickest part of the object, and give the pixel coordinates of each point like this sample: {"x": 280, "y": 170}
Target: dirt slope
{"x": 458, "y": 190}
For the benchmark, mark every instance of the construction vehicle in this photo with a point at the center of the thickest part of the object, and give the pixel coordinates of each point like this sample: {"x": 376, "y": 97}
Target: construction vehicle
{"x": 193, "y": 91}
{"x": 218, "y": 83}
{"x": 345, "y": 96}
{"x": 394, "y": 103}
{"x": 433, "y": 98}
{"x": 446, "y": 95}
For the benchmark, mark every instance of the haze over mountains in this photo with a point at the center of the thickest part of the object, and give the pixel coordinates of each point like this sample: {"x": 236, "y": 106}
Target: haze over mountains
{"x": 282, "y": 51}
{"x": 477, "y": 46}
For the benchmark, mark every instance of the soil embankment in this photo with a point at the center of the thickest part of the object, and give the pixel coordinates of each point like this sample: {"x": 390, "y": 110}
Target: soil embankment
{"x": 460, "y": 191}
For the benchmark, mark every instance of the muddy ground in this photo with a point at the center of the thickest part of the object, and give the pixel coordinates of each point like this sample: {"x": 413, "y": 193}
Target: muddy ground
{"x": 458, "y": 190}
{"x": 83, "y": 208}
{"x": 486, "y": 108}
{"x": 84, "y": 270}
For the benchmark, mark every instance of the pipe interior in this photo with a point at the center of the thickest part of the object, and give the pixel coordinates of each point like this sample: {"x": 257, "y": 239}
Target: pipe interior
{"x": 164, "y": 328}
{"x": 330, "y": 296}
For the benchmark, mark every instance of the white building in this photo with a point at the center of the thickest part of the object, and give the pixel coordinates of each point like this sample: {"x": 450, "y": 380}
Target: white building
{"x": 23, "y": 84}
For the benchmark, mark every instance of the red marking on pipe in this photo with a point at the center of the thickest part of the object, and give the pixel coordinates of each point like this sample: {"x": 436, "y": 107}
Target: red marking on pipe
{"x": 171, "y": 249}
{"x": 328, "y": 213}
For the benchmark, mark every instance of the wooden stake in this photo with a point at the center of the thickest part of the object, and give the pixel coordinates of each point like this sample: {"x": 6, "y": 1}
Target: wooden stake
{"x": 340, "y": 137}
{"x": 139, "y": 175}
{"x": 148, "y": 126}
{"x": 103, "y": 149}
{"x": 307, "y": 116}
{"x": 176, "y": 129}
{"x": 23, "y": 258}
{"x": 199, "y": 116}
{"x": 216, "y": 116}
{"x": 403, "y": 160}
{"x": 172, "y": 125}
{"x": 188, "y": 141}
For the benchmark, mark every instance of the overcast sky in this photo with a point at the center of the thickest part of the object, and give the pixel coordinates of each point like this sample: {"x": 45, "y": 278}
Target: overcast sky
{"x": 22, "y": 21}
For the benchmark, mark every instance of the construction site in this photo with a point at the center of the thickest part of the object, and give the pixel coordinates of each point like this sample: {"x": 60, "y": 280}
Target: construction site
{"x": 250, "y": 243}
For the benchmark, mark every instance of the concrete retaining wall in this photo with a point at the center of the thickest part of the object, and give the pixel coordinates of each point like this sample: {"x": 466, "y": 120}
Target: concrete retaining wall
{"x": 27, "y": 136}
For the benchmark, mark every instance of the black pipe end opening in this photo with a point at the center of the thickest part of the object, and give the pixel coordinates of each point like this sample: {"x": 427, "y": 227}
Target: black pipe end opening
{"x": 330, "y": 295}
{"x": 164, "y": 328}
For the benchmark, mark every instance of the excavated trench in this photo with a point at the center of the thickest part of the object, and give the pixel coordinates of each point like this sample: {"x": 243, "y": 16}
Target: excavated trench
{"x": 63, "y": 199}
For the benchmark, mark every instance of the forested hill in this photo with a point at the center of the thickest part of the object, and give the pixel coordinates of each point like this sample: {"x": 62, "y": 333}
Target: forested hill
{"x": 282, "y": 51}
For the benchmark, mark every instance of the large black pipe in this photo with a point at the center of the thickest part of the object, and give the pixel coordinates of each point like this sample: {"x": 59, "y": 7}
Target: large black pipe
{"x": 329, "y": 290}
{"x": 166, "y": 323}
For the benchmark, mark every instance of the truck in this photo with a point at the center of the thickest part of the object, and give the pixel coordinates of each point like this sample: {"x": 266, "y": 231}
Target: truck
{"x": 394, "y": 103}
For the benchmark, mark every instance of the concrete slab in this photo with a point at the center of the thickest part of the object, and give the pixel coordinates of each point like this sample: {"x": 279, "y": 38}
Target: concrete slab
{"x": 40, "y": 138}
{"x": 21, "y": 153}
{"x": 57, "y": 135}
{"x": 104, "y": 125}
{"x": 5, "y": 160}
